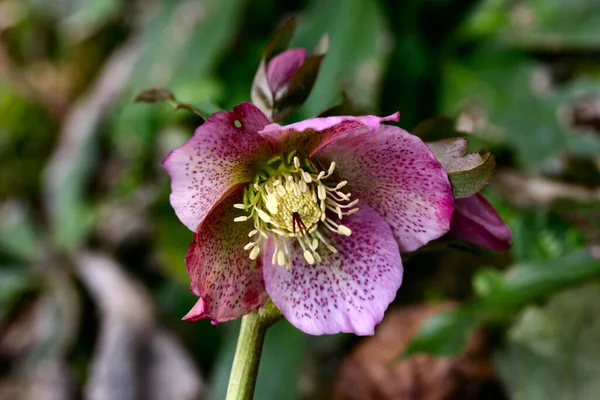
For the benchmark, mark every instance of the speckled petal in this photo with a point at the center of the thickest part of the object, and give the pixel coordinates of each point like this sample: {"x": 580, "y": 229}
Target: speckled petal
{"x": 396, "y": 174}
{"x": 282, "y": 67}
{"x": 345, "y": 292}
{"x": 218, "y": 156}
{"x": 228, "y": 283}
{"x": 476, "y": 221}
{"x": 308, "y": 136}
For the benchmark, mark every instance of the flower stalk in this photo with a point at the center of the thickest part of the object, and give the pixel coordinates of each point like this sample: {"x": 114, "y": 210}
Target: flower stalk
{"x": 244, "y": 370}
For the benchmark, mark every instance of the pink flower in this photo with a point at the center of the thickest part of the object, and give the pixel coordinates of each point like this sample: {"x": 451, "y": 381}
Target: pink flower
{"x": 313, "y": 215}
{"x": 476, "y": 221}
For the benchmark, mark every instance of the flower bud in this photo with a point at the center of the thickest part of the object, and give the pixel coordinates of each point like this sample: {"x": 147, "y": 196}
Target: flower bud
{"x": 282, "y": 68}
{"x": 477, "y": 222}
{"x": 285, "y": 78}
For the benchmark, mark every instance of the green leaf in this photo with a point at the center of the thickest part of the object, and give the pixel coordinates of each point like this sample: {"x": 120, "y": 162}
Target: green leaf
{"x": 509, "y": 103}
{"x": 527, "y": 282}
{"x": 540, "y": 24}
{"x": 542, "y": 235}
{"x": 552, "y": 351}
{"x": 471, "y": 174}
{"x": 281, "y": 39}
{"x": 486, "y": 280}
{"x": 18, "y": 236}
{"x": 445, "y": 334}
{"x": 173, "y": 54}
{"x": 468, "y": 173}
{"x": 14, "y": 282}
{"x": 354, "y": 28}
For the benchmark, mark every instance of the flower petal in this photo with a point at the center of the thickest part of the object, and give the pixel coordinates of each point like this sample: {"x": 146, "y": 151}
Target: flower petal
{"x": 345, "y": 292}
{"x": 303, "y": 137}
{"x": 282, "y": 67}
{"x": 396, "y": 174}
{"x": 218, "y": 156}
{"x": 228, "y": 283}
{"x": 477, "y": 222}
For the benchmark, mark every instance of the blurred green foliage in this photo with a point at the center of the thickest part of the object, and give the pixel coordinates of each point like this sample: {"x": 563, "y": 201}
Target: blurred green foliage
{"x": 80, "y": 163}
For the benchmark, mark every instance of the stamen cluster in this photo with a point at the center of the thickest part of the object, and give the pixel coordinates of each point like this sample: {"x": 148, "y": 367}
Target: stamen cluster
{"x": 294, "y": 198}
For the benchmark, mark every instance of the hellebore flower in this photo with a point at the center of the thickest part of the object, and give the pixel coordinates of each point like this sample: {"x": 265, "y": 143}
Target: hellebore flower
{"x": 477, "y": 222}
{"x": 313, "y": 215}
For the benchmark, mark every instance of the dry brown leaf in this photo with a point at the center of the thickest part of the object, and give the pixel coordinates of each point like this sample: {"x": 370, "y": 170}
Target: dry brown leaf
{"x": 367, "y": 373}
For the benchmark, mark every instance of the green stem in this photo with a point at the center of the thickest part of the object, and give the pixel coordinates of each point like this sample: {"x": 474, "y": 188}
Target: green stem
{"x": 249, "y": 348}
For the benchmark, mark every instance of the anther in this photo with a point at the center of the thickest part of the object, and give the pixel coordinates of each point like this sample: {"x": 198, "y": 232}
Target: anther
{"x": 264, "y": 216}
{"x": 331, "y": 168}
{"x": 254, "y": 253}
{"x": 309, "y": 257}
{"x": 344, "y": 230}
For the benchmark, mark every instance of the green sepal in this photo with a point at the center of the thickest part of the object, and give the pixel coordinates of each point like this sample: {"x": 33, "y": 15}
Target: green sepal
{"x": 468, "y": 173}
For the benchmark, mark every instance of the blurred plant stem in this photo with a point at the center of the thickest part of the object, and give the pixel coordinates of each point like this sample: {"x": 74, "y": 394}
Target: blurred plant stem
{"x": 244, "y": 370}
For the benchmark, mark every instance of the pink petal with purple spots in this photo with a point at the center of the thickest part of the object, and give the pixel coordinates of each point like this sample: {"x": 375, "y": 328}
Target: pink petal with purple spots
{"x": 476, "y": 221}
{"x": 221, "y": 154}
{"x": 282, "y": 67}
{"x": 396, "y": 174}
{"x": 307, "y": 137}
{"x": 345, "y": 292}
{"x": 228, "y": 283}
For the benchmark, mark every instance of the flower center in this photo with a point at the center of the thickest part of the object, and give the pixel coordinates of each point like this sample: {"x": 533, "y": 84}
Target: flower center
{"x": 294, "y": 198}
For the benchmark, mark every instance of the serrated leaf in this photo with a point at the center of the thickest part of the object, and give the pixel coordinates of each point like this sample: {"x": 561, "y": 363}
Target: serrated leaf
{"x": 471, "y": 174}
{"x": 468, "y": 173}
{"x": 446, "y": 150}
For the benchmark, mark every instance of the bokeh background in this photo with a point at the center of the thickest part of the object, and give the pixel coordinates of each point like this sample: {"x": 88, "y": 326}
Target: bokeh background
{"x": 92, "y": 279}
